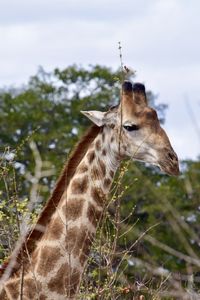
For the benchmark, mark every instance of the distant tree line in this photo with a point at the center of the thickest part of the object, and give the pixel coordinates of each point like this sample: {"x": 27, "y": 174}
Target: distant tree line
{"x": 158, "y": 216}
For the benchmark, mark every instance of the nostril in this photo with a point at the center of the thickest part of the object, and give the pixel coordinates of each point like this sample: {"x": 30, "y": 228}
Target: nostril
{"x": 171, "y": 156}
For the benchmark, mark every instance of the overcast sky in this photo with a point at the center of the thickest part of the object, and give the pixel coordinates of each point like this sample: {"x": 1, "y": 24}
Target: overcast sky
{"x": 160, "y": 40}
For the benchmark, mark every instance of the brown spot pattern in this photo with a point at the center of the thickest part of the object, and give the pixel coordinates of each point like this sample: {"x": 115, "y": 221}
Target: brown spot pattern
{"x": 82, "y": 168}
{"x": 13, "y": 288}
{"x": 111, "y": 173}
{"x": 93, "y": 214}
{"x": 71, "y": 237}
{"x": 151, "y": 114}
{"x": 42, "y": 297}
{"x": 102, "y": 167}
{"x": 35, "y": 257}
{"x": 98, "y": 196}
{"x": 77, "y": 240}
{"x": 104, "y": 152}
{"x": 91, "y": 156}
{"x": 103, "y": 136}
{"x": 73, "y": 209}
{"x": 86, "y": 248}
{"x": 112, "y": 139}
{"x": 112, "y": 126}
{"x": 66, "y": 281}
{"x": 107, "y": 183}
{"x": 55, "y": 229}
{"x": 98, "y": 145}
{"x": 79, "y": 185}
{"x": 94, "y": 173}
{"x": 47, "y": 260}
{"x": 85, "y": 240}
{"x": 31, "y": 288}
{"x": 124, "y": 148}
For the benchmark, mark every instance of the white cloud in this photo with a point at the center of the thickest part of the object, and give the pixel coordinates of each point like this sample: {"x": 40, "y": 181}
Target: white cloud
{"x": 159, "y": 40}
{"x": 23, "y": 11}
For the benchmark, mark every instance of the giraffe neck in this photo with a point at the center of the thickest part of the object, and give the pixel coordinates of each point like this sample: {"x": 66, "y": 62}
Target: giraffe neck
{"x": 58, "y": 262}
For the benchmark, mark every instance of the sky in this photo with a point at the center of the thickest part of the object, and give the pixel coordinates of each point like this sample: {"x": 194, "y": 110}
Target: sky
{"x": 160, "y": 40}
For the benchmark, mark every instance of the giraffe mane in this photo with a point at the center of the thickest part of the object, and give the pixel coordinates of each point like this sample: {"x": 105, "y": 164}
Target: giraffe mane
{"x": 35, "y": 234}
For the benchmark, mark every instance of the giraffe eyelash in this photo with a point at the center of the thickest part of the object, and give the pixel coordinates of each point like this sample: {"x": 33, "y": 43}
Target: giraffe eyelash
{"x": 132, "y": 127}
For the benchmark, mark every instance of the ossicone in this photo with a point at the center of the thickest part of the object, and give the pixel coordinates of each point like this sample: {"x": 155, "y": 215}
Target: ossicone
{"x": 127, "y": 86}
{"x": 139, "y": 92}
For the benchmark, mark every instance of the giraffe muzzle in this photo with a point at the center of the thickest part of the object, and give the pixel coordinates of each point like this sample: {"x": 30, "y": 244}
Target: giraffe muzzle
{"x": 170, "y": 164}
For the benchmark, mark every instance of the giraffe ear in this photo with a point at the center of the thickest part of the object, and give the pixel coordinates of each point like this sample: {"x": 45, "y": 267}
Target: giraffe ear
{"x": 97, "y": 117}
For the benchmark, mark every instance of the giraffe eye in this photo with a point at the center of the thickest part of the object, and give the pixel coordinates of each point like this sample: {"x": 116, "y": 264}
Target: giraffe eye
{"x": 131, "y": 127}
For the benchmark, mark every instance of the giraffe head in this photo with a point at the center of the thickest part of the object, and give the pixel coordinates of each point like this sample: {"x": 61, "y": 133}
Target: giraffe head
{"x": 136, "y": 131}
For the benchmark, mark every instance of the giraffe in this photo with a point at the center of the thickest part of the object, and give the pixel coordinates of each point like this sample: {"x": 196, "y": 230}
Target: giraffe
{"x": 58, "y": 250}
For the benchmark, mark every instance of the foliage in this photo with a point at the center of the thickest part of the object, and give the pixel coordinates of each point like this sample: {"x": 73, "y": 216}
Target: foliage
{"x": 149, "y": 241}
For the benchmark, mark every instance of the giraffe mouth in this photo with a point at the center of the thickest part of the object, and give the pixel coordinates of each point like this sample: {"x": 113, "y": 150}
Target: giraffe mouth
{"x": 170, "y": 168}
{"x": 169, "y": 163}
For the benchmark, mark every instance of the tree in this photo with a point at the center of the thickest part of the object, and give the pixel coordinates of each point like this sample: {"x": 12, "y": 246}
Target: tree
{"x": 40, "y": 123}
